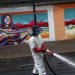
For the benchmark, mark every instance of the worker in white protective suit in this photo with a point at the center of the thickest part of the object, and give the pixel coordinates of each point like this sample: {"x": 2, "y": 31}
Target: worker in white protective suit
{"x": 37, "y": 47}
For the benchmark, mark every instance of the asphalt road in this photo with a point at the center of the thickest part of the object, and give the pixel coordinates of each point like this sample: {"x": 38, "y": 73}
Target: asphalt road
{"x": 24, "y": 66}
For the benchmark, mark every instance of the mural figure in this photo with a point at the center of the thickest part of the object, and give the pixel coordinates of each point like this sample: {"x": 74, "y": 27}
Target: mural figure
{"x": 8, "y": 26}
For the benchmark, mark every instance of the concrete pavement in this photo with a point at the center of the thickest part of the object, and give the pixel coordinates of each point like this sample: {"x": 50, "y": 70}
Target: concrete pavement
{"x": 23, "y": 66}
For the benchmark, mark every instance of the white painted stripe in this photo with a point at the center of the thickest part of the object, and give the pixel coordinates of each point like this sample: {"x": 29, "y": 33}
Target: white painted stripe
{"x": 24, "y": 8}
{"x": 15, "y": 9}
{"x": 51, "y": 23}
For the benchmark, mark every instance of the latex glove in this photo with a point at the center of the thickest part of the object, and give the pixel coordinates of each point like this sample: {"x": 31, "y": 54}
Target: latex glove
{"x": 43, "y": 47}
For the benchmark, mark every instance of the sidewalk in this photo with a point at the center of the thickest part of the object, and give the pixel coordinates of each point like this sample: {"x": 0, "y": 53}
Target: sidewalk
{"x": 23, "y": 50}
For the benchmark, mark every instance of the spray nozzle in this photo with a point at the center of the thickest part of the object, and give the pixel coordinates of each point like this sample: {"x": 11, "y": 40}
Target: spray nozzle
{"x": 49, "y": 52}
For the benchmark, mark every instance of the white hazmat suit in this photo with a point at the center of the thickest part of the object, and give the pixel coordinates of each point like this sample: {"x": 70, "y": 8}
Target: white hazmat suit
{"x": 36, "y": 41}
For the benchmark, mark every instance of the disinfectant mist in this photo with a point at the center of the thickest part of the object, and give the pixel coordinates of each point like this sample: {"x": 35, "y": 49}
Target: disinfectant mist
{"x": 64, "y": 59}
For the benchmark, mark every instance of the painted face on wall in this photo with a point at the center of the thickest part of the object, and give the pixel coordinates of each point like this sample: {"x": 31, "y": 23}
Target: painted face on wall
{"x": 7, "y": 20}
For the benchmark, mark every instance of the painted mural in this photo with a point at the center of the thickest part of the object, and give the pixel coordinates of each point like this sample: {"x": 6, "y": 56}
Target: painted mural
{"x": 69, "y": 15}
{"x": 16, "y": 28}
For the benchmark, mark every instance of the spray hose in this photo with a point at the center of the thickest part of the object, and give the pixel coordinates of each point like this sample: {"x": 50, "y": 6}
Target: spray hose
{"x": 48, "y": 64}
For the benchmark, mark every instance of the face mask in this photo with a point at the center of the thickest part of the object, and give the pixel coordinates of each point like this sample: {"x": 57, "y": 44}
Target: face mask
{"x": 37, "y": 31}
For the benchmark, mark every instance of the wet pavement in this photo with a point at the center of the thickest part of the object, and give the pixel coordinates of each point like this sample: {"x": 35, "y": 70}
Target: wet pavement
{"x": 24, "y": 66}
